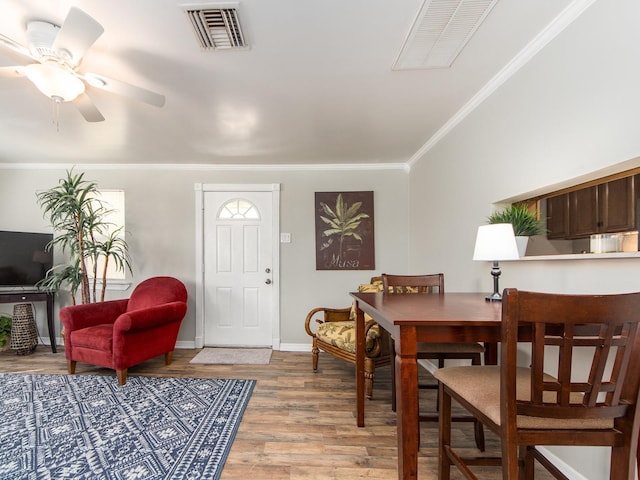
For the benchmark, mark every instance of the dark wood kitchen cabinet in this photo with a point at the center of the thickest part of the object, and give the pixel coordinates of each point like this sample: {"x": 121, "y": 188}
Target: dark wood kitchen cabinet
{"x": 558, "y": 216}
{"x": 583, "y": 212}
{"x": 605, "y": 208}
{"x": 618, "y": 205}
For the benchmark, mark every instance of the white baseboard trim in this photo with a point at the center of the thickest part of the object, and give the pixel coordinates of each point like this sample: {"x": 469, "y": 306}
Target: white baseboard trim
{"x": 565, "y": 468}
{"x": 295, "y": 347}
{"x": 283, "y": 347}
{"x": 428, "y": 365}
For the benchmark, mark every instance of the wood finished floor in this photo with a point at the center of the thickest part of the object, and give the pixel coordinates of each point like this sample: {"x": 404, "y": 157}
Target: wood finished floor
{"x": 299, "y": 425}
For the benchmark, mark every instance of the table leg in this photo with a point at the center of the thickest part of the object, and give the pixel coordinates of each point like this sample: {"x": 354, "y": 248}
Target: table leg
{"x": 360, "y": 346}
{"x": 490, "y": 353}
{"x": 50, "y": 323}
{"x": 407, "y": 415}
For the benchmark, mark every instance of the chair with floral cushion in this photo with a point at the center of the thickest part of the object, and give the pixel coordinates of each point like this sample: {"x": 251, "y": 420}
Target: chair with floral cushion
{"x": 335, "y": 334}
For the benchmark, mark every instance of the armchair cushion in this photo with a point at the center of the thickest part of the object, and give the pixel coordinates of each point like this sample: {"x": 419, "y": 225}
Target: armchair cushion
{"x": 99, "y": 337}
{"x": 343, "y": 335}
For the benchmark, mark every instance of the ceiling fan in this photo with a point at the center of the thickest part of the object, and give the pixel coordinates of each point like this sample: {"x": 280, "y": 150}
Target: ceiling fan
{"x": 55, "y": 53}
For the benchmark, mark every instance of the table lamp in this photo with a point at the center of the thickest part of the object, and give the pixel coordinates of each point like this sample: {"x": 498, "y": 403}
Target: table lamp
{"x": 495, "y": 242}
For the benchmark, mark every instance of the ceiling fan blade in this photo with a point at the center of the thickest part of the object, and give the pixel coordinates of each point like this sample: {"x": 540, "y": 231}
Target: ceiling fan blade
{"x": 11, "y": 72}
{"x": 87, "y": 108}
{"x": 125, "y": 89}
{"x": 78, "y": 32}
{"x": 15, "y": 47}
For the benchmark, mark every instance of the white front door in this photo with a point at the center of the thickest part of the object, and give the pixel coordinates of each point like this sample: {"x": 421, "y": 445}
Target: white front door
{"x": 238, "y": 268}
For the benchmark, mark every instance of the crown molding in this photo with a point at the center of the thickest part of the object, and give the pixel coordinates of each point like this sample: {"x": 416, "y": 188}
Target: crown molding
{"x": 204, "y": 167}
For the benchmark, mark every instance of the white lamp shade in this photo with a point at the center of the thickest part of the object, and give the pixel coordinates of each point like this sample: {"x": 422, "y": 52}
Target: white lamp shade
{"x": 54, "y": 81}
{"x": 496, "y": 242}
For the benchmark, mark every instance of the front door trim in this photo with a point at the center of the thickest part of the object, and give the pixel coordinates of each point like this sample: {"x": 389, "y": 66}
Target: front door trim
{"x": 200, "y": 189}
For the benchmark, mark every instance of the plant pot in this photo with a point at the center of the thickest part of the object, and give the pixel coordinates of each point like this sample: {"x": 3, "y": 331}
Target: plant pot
{"x": 522, "y": 242}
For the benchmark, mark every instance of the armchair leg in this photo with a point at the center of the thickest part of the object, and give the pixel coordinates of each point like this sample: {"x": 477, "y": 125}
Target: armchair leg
{"x": 314, "y": 355}
{"x": 168, "y": 358}
{"x": 369, "y": 373}
{"x": 71, "y": 366}
{"x": 122, "y": 376}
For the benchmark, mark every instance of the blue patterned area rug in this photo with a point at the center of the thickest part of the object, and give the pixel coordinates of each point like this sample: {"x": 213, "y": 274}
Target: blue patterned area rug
{"x": 88, "y": 427}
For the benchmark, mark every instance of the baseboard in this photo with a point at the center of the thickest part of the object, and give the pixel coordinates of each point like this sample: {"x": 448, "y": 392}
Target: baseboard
{"x": 283, "y": 347}
{"x": 428, "y": 365}
{"x": 565, "y": 468}
{"x": 295, "y": 347}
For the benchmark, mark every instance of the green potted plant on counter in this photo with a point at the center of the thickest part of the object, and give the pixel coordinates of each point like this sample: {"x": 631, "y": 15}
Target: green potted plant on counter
{"x": 525, "y": 223}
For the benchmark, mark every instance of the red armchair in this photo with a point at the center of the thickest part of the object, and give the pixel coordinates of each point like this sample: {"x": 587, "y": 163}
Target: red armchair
{"x": 118, "y": 334}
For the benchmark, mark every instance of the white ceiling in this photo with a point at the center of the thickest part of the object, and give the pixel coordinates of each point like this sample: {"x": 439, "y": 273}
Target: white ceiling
{"x": 315, "y": 86}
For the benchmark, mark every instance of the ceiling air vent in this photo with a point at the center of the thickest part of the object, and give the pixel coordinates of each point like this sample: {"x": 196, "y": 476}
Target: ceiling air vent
{"x": 217, "y": 28}
{"x": 440, "y": 32}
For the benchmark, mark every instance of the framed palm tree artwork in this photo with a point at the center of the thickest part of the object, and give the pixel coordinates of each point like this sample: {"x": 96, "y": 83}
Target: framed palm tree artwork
{"x": 344, "y": 231}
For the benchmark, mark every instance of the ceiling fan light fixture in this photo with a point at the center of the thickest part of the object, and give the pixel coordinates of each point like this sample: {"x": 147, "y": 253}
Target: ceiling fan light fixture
{"x": 95, "y": 81}
{"x": 54, "y": 81}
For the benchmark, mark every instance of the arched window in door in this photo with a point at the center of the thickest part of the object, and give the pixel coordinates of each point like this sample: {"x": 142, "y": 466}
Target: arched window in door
{"x": 238, "y": 209}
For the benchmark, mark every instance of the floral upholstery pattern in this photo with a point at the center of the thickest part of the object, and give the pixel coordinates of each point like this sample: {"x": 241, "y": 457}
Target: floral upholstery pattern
{"x": 374, "y": 287}
{"x": 343, "y": 335}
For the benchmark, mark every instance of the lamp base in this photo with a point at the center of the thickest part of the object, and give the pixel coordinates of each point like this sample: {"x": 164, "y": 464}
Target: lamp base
{"x": 495, "y": 273}
{"x": 494, "y": 297}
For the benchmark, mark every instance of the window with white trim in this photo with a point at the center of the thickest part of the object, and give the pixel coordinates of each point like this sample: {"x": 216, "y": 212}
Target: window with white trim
{"x": 113, "y": 201}
{"x": 238, "y": 209}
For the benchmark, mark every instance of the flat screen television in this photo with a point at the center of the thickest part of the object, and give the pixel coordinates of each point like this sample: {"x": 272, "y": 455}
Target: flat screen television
{"x": 24, "y": 260}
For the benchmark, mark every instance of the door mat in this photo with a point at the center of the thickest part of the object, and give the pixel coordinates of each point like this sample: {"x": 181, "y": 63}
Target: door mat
{"x": 235, "y": 356}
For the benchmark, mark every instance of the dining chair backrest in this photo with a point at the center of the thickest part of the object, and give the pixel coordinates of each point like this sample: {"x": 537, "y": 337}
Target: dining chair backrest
{"x": 431, "y": 283}
{"x": 566, "y": 332}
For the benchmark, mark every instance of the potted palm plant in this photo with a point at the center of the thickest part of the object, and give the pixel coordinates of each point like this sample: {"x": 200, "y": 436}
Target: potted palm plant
{"x": 525, "y": 223}
{"x": 78, "y": 219}
{"x": 5, "y": 331}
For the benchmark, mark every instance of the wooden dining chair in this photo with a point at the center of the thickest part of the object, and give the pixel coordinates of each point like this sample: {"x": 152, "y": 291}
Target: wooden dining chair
{"x": 581, "y": 388}
{"x": 432, "y": 284}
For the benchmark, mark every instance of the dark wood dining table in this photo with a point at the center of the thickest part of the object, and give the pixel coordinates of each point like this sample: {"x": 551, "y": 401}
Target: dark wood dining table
{"x": 412, "y": 318}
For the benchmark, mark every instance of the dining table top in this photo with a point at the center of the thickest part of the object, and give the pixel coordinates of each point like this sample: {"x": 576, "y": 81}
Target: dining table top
{"x": 449, "y": 309}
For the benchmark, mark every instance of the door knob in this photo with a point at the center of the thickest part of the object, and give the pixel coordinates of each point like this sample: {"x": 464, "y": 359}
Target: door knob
{"x": 268, "y": 281}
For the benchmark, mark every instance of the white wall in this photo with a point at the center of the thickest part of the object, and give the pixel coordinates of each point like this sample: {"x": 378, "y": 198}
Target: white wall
{"x": 160, "y": 219}
{"x": 574, "y": 109}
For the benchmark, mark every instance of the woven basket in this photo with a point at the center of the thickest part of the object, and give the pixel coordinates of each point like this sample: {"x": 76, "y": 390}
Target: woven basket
{"x": 24, "y": 333}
